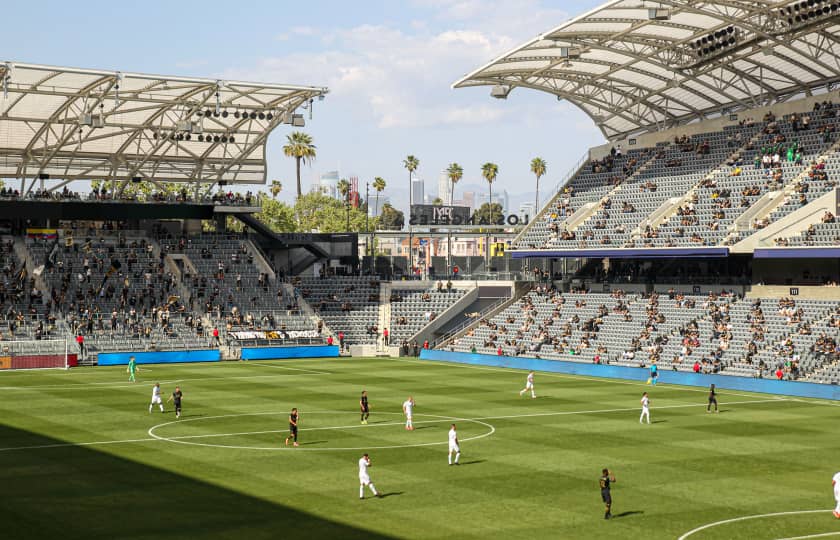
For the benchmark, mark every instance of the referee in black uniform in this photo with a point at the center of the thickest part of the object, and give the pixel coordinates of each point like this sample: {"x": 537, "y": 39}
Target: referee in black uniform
{"x": 176, "y": 397}
{"x": 605, "y": 481}
{"x": 365, "y": 408}
{"x": 712, "y": 399}
{"x": 293, "y": 427}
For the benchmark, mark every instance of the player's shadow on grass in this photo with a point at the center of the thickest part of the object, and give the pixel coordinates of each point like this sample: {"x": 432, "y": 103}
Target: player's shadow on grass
{"x": 418, "y": 428}
{"x": 80, "y": 492}
{"x": 473, "y": 462}
{"x": 391, "y": 494}
{"x": 307, "y": 443}
{"x": 628, "y": 513}
{"x": 658, "y": 421}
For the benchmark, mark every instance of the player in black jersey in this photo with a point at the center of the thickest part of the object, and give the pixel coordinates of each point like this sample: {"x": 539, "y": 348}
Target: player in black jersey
{"x": 606, "y": 479}
{"x": 293, "y": 427}
{"x": 176, "y": 397}
{"x": 712, "y": 399}
{"x": 365, "y": 408}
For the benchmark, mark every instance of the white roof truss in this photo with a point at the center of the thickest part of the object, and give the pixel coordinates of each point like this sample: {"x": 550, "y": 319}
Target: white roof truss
{"x": 633, "y": 74}
{"x": 78, "y": 124}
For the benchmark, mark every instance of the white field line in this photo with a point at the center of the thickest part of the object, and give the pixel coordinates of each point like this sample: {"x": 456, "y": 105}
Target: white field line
{"x": 571, "y": 376}
{"x": 113, "y": 384}
{"x": 449, "y": 419}
{"x": 745, "y": 518}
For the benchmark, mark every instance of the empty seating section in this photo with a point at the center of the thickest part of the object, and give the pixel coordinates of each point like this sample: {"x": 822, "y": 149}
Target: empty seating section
{"x": 697, "y": 187}
{"x": 231, "y": 290}
{"x": 226, "y": 276}
{"x": 115, "y": 292}
{"x": 24, "y": 312}
{"x": 721, "y": 333}
{"x": 591, "y": 185}
{"x": 348, "y": 305}
{"x": 819, "y": 234}
{"x": 411, "y": 310}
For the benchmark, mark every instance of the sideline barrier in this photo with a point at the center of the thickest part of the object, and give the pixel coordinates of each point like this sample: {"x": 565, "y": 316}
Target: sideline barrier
{"x": 724, "y": 382}
{"x": 304, "y": 351}
{"x": 164, "y": 357}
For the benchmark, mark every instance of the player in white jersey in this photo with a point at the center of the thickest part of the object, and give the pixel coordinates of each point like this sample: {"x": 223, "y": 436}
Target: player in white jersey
{"x": 529, "y": 385}
{"x": 408, "y": 410}
{"x": 454, "y": 447}
{"x": 364, "y": 477}
{"x": 156, "y": 398}
{"x": 835, "y": 482}
{"x": 645, "y": 401}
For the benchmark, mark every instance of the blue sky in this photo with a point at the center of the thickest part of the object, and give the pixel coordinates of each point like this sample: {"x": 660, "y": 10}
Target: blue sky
{"x": 389, "y": 66}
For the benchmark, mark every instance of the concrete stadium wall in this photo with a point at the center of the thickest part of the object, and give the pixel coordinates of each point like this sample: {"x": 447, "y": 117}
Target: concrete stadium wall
{"x": 165, "y": 357}
{"x": 304, "y": 351}
{"x": 764, "y": 386}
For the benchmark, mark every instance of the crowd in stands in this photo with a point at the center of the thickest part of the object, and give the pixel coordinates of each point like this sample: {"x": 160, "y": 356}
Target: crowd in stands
{"x": 102, "y": 194}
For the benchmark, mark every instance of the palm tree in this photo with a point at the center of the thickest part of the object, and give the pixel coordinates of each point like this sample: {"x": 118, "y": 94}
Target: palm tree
{"x": 411, "y": 163}
{"x": 379, "y": 186}
{"x": 455, "y": 173}
{"x": 299, "y": 146}
{"x": 344, "y": 189}
{"x": 276, "y": 188}
{"x": 538, "y": 167}
{"x": 490, "y": 171}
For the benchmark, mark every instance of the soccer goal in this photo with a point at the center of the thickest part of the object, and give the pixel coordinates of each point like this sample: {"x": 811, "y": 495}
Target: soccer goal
{"x": 37, "y": 354}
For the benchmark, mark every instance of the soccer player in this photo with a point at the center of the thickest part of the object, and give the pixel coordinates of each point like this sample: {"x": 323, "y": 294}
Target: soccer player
{"x": 645, "y": 401}
{"x": 606, "y": 479}
{"x": 365, "y": 408}
{"x": 654, "y": 373}
{"x": 712, "y": 399}
{"x": 364, "y": 478}
{"x": 156, "y": 398}
{"x": 176, "y": 397}
{"x": 293, "y": 426}
{"x": 836, "y": 483}
{"x": 132, "y": 368}
{"x": 529, "y": 385}
{"x": 454, "y": 447}
{"x": 408, "y": 410}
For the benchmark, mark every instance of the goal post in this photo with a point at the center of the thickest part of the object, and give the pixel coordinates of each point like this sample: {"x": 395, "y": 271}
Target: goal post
{"x": 37, "y": 354}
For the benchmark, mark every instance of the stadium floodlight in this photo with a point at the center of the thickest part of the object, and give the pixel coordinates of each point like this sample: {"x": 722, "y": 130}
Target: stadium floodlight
{"x": 500, "y": 91}
{"x": 570, "y": 52}
{"x": 298, "y": 121}
{"x": 659, "y": 14}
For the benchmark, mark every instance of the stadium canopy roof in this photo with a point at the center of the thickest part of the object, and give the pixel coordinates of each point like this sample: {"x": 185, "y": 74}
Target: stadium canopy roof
{"x": 73, "y": 124}
{"x": 638, "y": 66}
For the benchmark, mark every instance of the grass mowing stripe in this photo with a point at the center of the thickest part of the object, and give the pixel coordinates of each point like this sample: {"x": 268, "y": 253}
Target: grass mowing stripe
{"x": 446, "y": 419}
{"x": 577, "y": 377}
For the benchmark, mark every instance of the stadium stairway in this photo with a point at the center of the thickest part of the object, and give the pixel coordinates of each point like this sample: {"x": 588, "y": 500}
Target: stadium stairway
{"x": 789, "y": 226}
{"x": 19, "y": 247}
{"x": 670, "y": 207}
{"x": 582, "y": 216}
{"x": 771, "y": 201}
{"x": 558, "y": 193}
{"x": 447, "y": 336}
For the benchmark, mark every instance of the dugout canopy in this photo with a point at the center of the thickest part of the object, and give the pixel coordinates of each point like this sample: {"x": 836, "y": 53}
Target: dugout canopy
{"x": 71, "y": 124}
{"x": 636, "y": 66}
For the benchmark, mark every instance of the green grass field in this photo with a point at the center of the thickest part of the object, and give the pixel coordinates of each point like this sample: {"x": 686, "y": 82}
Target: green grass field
{"x": 82, "y": 457}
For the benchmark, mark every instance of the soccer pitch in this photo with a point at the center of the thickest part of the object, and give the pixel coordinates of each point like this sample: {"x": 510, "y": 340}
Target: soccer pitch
{"x": 83, "y": 458}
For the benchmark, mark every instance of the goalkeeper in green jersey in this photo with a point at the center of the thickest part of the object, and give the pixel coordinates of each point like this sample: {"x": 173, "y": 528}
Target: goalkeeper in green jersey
{"x": 132, "y": 368}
